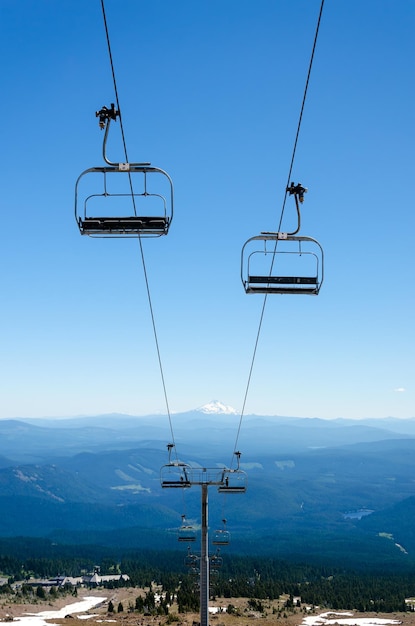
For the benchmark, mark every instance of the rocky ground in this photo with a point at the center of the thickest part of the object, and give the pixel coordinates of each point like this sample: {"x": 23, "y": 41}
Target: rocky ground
{"x": 11, "y": 610}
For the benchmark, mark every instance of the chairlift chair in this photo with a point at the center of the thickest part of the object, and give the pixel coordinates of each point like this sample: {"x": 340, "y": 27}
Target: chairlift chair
{"x": 221, "y": 537}
{"x": 232, "y": 481}
{"x": 123, "y": 199}
{"x": 110, "y": 209}
{"x": 213, "y": 577}
{"x": 176, "y": 475}
{"x": 283, "y": 262}
{"x": 278, "y": 263}
{"x": 216, "y": 560}
{"x": 191, "y": 560}
{"x": 186, "y": 531}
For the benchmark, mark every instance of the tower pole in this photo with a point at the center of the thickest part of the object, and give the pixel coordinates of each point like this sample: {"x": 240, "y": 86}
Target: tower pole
{"x": 176, "y": 475}
{"x": 204, "y": 561}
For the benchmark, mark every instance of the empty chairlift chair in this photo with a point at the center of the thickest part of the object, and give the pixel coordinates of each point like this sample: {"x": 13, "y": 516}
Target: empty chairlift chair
{"x": 221, "y": 537}
{"x": 282, "y": 264}
{"x": 186, "y": 532}
{"x": 191, "y": 560}
{"x": 123, "y": 199}
{"x": 216, "y": 561}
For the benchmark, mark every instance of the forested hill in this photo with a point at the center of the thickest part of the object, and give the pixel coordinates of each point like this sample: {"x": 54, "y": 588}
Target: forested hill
{"x": 258, "y": 578}
{"x": 319, "y": 492}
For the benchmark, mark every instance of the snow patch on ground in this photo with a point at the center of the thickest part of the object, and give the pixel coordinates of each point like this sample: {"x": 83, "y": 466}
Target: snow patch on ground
{"x": 345, "y": 619}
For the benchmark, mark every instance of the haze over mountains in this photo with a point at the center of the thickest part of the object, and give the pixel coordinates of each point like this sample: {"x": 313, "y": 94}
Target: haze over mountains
{"x": 339, "y": 489}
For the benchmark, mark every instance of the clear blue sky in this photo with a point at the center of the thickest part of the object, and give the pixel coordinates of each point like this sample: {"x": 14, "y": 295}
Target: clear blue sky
{"x": 210, "y": 91}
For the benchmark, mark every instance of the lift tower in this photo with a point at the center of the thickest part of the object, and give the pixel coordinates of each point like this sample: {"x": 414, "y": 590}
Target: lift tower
{"x": 181, "y": 476}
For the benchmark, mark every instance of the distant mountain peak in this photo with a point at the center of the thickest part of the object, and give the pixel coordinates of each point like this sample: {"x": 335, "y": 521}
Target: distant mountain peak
{"x": 215, "y": 408}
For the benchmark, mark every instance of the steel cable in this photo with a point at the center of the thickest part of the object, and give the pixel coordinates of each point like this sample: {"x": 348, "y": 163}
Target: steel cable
{"x": 153, "y": 321}
{"x": 261, "y": 319}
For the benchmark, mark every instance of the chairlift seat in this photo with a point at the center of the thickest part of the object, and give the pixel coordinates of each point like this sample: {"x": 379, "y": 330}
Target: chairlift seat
{"x": 282, "y": 290}
{"x": 232, "y": 489}
{"x": 270, "y": 284}
{"x": 179, "y": 484}
{"x": 123, "y": 225}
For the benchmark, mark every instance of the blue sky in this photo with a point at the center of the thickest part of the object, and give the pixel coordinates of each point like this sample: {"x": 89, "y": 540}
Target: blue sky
{"x": 210, "y": 92}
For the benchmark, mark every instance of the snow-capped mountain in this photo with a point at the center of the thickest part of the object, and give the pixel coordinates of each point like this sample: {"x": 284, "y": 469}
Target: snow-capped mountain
{"x": 215, "y": 408}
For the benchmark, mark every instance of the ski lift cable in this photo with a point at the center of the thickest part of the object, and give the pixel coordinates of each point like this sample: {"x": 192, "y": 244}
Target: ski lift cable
{"x": 297, "y": 135}
{"x": 153, "y": 321}
{"x": 300, "y": 119}
{"x": 261, "y": 319}
{"x": 115, "y": 87}
{"x": 251, "y": 368}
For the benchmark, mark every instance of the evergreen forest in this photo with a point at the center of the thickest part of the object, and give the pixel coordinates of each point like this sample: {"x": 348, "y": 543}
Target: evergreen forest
{"x": 257, "y": 578}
